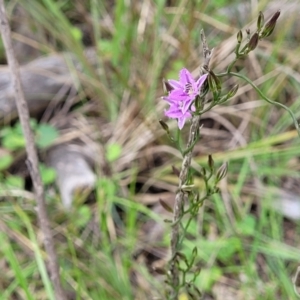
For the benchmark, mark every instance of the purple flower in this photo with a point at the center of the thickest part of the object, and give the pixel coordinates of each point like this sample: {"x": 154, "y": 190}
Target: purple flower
{"x": 175, "y": 112}
{"x": 181, "y": 96}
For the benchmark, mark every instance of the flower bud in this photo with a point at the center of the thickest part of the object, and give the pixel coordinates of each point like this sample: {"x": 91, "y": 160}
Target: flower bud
{"x": 193, "y": 291}
{"x": 248, "y": 32}
{"x": 195, "y": 252}
{"x": 182, "y": 257}
{"x": 211, "y": 162}
{"x": 194, "y": 256}
{"x": 222, "y": 172}
{"x": 197, "y": 271}
{"x": 233, "y": 91}
{"x": 198, "y": 103}
{"x": 175, "y": 171}
{"x": 270, "y": 25}
{"x": 166, "y": 206}
{"x": 167, "y": 86}
{"x": 187, "y": 187}
{"x": 214, "y": 83}
{"x": 239, "y": 36}
{"x": 204, "y": 88}
{"x": 164, "y": 126}
{"x": 253, "y": 42}
{"x": 216, "y": 190}
{"x": 159, "y": 270}
{"x": 260, "y": 21}
{"x": 168, "y": 221}
{"x": 211, "y": 83}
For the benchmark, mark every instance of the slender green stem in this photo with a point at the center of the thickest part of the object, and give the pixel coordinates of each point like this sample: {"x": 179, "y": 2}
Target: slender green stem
{"x": 213, "y": 103}
{"x": 296, "y": 124}
{"x": 237, "y": 48}
{"x": 232, "y": 64}
{"x": 177, "y": 141}
{"x": 185, "y": 229}
{"x": 191, "y": 147}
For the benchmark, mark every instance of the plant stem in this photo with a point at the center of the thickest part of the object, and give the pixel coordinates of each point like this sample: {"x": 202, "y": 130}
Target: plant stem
{"x": 180, "y": 195}
{"x": 178, "y": 206}
{"x": 268, "y": 99}
{"x": 32, "y": 160}
{"x": 296, "y": 124}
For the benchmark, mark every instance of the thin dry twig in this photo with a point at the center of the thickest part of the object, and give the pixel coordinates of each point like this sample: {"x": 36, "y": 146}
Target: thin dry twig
{"x": 180, "y": 195}
{"x": 32, "y": 159}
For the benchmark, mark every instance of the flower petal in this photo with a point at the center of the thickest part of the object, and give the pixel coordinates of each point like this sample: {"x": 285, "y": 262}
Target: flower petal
{"x": 177, "y": 95}
{"x": 181, "y": 121}
{"x": 200, "y": 81}
{"x": 174, "y": 114}
{"x": 175, "y": 84}
{"x": 185, "y": 77}
{"x": 186, "y": 105}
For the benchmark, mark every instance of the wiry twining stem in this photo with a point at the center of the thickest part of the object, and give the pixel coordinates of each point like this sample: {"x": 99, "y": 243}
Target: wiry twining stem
{"x": 180, "y": 195}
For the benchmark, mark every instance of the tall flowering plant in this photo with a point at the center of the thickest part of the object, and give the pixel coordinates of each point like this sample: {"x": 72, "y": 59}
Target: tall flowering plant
{"x": 186, "y": 100}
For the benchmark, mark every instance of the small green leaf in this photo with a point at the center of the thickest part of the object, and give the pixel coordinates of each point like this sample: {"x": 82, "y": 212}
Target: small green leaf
{"x": 247, "y": 226}
{"x": 113, "y": 152}
{"x": 45, "y": 135}
{"x": 14, "y": 181}
{"x": 230, "y": 247}
{"x": 5, "y": 161}
{"x": 208, "y": 277}
{"x": 13, "y": 141}
{"x": 5, "y": 131}
{"x": 105, "y": 47}
{"x": 18, "y": 127}
{"x": 83, "y": 216}
{"x": 48, "y": 174}
{"x": 76, "y": 33}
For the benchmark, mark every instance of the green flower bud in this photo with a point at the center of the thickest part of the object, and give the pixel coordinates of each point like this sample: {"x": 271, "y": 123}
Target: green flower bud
{"x": 270, "y": 25}
{"x": 233, "y": 91}
{"x": 195, "y": 252}
{"x": 253, "y": 42}
{"x": 193, "y": 292}
{"x": 187, "y": 187}
{"x": 160, "y": 270}
{"x": 214, "y": 83}
{"x": 164, "y": 126}
{"x": 248, "y": 33}
{"x": 198, "y": 103}
{"x": 222, "y": 172}
{"x": 197, "y": 271}
{"x": 204, "y": 88}
{"x": 211, "y": 163}
{"x": 182, "y": 256}
{"x": 216, "y": 190}
{"x": 260, "y": 21}
{"x": 239, "y": 36}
